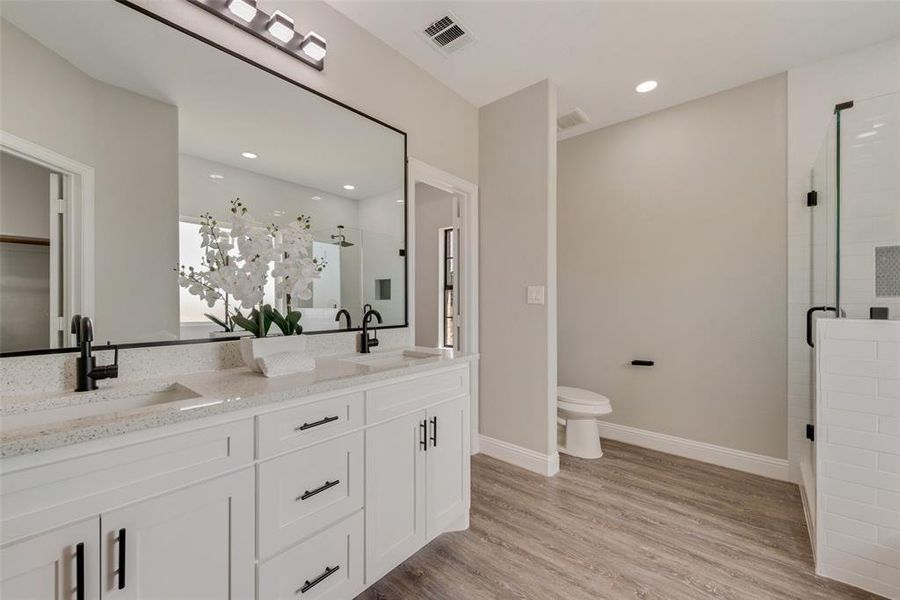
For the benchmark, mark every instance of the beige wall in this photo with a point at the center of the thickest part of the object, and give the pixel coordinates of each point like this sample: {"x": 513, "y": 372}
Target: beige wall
{"x": 362, "y": 71}
{"x": 132, "y": 144}
{"x": 672, "y": 247}
{"x": 517, "y": 170}
{"x": 24, "y": 197}
{"x": 434, "y": 211}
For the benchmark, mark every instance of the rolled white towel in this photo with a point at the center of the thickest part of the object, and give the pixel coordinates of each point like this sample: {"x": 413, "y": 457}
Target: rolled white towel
{"x": 285, "y": 363}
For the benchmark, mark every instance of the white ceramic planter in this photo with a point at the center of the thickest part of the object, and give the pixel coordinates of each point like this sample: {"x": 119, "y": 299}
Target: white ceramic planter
{"x": 254, "y": 348}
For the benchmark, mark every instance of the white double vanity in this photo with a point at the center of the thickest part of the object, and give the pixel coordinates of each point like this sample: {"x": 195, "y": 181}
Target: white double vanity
{"x": 226, "y": 484}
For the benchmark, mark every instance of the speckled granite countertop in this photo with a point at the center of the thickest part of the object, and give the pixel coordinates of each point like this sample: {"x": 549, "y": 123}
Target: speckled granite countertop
{"x": 35, "y": 422}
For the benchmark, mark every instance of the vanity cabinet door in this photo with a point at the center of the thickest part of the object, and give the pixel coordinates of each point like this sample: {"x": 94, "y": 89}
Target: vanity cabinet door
{"x": 194, "y": 543}
{"x": 447, "y": 464}
{"x": 395, "y": 492}
{"x": 59, "y": 565}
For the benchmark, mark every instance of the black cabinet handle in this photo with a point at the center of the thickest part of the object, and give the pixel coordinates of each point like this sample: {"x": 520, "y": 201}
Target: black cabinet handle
{"x": 308, "y": 585}
{"x": 79, "y": 571}
{"x": 318, "y": 490}
{"x": 434, "y": 432}
{"x": 642, "y": 363}
{"x": 423, "y": 438}
{"x": 809, "y": 320}
{"x": 122, "y": 559}
{"x": 306, "y": 426}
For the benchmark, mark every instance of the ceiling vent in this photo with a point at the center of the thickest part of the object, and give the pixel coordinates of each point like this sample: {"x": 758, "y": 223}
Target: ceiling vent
{"x": 571, "y": 119}
{"x": 447, "y": 35}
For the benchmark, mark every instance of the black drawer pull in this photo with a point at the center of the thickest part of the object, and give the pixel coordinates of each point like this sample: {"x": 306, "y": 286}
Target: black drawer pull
{"x": 122, "y": 559}
{"x": 308, "y": 585}
{"x": 306, "y": 426}
{"x": 318, "y": 490}
{"x": 423, "y": 437}
{"x": 79, "y": 571}
{"x": 434, "y": 432}
{"x": 642, "y": 363}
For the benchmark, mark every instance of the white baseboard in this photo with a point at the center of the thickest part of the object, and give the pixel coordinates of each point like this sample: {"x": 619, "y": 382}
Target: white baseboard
{"x": 543, "y": 464}
{"x": 758, "y": 464}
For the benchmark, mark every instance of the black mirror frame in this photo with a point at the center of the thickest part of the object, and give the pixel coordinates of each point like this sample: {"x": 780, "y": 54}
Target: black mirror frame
{"x": 283, "y": 77}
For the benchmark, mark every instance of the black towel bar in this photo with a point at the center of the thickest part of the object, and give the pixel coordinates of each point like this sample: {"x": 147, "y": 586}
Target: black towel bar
{"x": 642, "y": 363}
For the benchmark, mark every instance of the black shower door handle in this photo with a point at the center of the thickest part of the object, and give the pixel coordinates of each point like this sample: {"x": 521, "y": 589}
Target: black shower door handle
{"x": 809, "y": 321}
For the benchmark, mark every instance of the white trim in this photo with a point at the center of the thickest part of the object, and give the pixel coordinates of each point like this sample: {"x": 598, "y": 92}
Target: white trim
{"x": 78, "y": 273}
{"x": 758, "y": 464}
{"x": 467, "y": 262}
{"x": 542, "y": 464}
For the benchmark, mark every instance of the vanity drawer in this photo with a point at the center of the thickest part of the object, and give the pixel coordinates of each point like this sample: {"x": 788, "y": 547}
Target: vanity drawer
{"x": 328, "y": 565}
{"x": 407, "y": 396}
{"x": 301, "y": 426}
{"x": 302, "y": 491}
{"x": 40, "y": 498}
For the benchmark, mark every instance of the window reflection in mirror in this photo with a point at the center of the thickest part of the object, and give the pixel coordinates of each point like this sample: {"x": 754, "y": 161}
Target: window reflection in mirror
{"x": 117, "y": 140}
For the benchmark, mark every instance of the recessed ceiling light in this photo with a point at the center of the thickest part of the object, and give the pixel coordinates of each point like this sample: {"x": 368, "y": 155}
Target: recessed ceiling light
{"x": 245, "y": 9}
{"x": 216, "y": 176}
{"x": 647, "y": 86}
{"x": 317, "y": 198}
{"x": 349, "y": 187}
{"x": 248, "y": 154}
{"x": 281, "y": 26}
{"x": 399, "y": 201}
{"x": 867, "y": 134}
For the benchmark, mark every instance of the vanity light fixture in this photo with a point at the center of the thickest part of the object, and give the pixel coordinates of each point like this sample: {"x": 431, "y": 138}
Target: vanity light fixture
{"x": 400, "y": 201}
{"x": 243, "y": 9}
{"x": 349, "y": 187}
{"x": 281, "y": 26}
{"x": 647, "y": 86}
{"x": 216, "y": 176}
{"x": 248, "y": 154}
{"x": 317, "y": 198}
{"x": 276, "y": 29}
{"x": 313, "y": 45}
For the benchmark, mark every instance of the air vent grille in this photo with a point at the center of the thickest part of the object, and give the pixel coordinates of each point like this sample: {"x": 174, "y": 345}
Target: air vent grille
{"x": 447, "y": 35}
{"x": 571, "y": 119}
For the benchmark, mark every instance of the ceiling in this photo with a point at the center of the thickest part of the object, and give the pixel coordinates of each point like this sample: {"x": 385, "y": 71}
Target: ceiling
{"x": 225, "y": 106}
{"x": 597, "y": 52}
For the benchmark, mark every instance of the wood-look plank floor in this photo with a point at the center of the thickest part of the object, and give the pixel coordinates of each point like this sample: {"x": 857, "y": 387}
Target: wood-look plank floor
{"x": 634, "y": 524}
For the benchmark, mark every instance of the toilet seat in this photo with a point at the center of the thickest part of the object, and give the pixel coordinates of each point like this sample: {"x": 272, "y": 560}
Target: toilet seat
{"x": 579, "y": 400}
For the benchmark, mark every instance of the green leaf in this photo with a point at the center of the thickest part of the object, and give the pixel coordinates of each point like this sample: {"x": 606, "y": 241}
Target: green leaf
{"x": 251, "y": 324}
{"x": 277, "y": 318}
{"x": 293, "y": 321}
{"x": 217, "y": 321}
{"x": 266, "y": 320}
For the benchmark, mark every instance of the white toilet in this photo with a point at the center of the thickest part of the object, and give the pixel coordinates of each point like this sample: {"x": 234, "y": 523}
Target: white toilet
{"x": 578, "y": 410}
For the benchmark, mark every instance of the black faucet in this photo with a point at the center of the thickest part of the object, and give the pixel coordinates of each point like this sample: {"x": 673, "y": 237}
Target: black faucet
{"x": 86, "y": 370}
{"x": 364, "y": 342}
{"x": 346, "y": 313}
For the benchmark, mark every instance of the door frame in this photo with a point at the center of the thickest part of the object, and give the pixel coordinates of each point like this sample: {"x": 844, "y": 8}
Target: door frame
{"x": 467, "y": 242}
{"x": 78, "y": 182}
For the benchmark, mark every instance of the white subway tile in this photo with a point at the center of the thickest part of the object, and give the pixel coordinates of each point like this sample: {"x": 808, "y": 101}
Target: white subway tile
{"x": 888, "y": 351}
{"x": 889, "y": 500}
{"x": 889, "y": 537}
{"x": 860, "y": 529}
{"x": 865, "y": 349}
{"x": 862, "y": 512}
{"x": 851, "y": 456}
{"x": 889, "y": 426}
{"x": 889, "y": 463}
{"x": 863, "y": 549}
{"x": 887, "y": 388}
{"x": 849, "y": 491}
{"x": 832, "y": 382}
{"x": 875, "y": 479}
{"x": 841, "y": 365}
{"x": 850, "y": 562}
{"x": 863, "y": 439}
{"x": 850, "y": 419}
{"x": 862, "y": 403}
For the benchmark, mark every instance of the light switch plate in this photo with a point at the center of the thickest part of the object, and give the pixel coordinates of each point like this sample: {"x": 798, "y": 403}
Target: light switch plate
{"x": 534, "y": 294}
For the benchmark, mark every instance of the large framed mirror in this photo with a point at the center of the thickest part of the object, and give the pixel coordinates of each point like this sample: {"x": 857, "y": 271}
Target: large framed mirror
{"x": 136, "y": 156}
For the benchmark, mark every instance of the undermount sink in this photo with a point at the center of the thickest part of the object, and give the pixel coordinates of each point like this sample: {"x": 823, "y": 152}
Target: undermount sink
{"x": 392, "y": 359}
{"x": 78, "y": 408}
